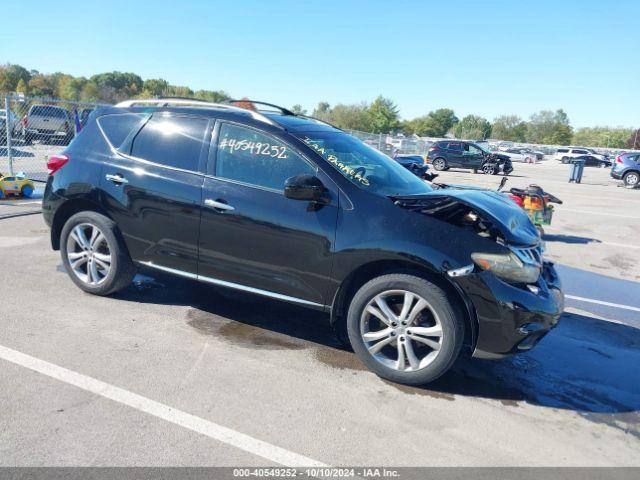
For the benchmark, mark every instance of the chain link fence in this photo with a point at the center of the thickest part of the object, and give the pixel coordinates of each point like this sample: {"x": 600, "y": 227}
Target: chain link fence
{"x": 33, "y": 129}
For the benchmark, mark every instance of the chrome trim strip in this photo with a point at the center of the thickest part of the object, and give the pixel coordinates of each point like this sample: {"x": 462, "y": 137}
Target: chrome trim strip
{"x": 235, "y": 286}
{"x": 462, "y": 271}
{"x": 181, "y": 273}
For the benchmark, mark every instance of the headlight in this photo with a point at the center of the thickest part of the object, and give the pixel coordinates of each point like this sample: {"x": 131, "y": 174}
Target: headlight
{"x": 508, "y": 267}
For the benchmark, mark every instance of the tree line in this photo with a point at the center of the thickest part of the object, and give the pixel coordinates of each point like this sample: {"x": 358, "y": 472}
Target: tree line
{"x": 380, "y": 116}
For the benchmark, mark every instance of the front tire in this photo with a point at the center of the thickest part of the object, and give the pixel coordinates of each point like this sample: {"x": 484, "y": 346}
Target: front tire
{"x": 94, "y": 254}
{"x": 404, "y": 329}
{"x": 489, "y": 169}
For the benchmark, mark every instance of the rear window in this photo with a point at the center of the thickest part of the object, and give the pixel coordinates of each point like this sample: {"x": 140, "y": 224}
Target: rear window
{"x": 48, "y": 111}
{"x": 171, "y": 141}
{"x": 116, "y": 128}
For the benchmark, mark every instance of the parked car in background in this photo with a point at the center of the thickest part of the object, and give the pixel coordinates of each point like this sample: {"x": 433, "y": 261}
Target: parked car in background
{"x": 538, "y": 154}
{"x": 519, "y": 155}
{"x": 505, "y": 145}
{"x": 48, "y": 123}
{"x": 445, "y": 154}
{"x": 627, "y": 168}
{"x": 12, "y": 124}
{"x": 415, "y": 164}
{"x": 293, "y": 209}
{"x": 566, "y": 153}
{"x": 592, "y": 161}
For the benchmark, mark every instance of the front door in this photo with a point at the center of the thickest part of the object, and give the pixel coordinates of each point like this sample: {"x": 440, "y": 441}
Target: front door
{"x": 254, "y": 238}
{"x": 471, "y": 157}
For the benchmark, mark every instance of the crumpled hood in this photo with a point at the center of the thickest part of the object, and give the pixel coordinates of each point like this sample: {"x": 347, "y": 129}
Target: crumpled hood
{"x": 512, "y": 221}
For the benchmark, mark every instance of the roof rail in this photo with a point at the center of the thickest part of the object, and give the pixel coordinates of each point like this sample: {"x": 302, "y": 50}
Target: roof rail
{"x": 284, "y": 111}
{"x": 183, "y": 102}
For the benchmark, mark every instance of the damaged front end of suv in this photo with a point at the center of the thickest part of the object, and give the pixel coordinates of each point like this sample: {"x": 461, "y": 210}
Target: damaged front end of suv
{"x": 515, "y": 293}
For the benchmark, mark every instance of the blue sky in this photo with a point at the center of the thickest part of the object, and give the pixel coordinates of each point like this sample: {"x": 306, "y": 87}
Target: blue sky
{"x": 484, "y": 57}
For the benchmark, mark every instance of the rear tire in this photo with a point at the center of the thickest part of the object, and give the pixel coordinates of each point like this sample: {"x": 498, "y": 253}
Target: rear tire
{"x": 414, "y": 352}
{"x": 440, "y": 164}
{"x": 26, "y": 191}
{"x": 99, "y": 263}
{"x": 631, "y": 179}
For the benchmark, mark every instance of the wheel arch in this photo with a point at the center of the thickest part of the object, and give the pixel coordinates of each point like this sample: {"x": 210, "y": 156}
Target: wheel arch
{"x": 361, "y": 275}
{"x": 66, "y": 211}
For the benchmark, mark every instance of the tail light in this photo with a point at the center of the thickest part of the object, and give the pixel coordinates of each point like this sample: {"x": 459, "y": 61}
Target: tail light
{"x": 619, "y": 159}
{"x": 56, "y": 162}
{"x": 25, "y": 122}
{"x": 517, "y": 200}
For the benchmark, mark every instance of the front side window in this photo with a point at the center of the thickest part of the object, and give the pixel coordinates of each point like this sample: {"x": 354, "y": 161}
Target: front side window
{"x": 256, "y": 158}
{"x": 472, "y": 150}
{"x": 363, "y": 165}
{"x": 172, "y": 141}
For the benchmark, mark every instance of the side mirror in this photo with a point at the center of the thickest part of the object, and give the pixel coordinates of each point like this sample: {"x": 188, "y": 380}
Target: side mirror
{"x": 305, "y": 187}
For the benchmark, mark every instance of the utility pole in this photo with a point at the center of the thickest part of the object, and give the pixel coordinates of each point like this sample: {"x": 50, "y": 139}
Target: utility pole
{"x": 7, "y": 108}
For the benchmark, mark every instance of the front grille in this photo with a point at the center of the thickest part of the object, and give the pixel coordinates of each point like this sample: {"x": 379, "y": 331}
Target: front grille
{"x": 530, "y": 255}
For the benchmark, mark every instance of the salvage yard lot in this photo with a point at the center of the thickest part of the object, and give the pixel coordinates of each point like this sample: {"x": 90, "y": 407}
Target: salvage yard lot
{"x": 272, "y": 372}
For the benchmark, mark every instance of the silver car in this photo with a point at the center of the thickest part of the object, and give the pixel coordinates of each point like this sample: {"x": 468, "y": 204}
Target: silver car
{"x": 627, "y": 168}
{"x": 13, "y": 125}
{"x": 48, "y": 122}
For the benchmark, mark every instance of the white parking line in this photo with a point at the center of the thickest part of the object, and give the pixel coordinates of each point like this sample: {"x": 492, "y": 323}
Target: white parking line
{"x": 600, "y": 302}
{"x": 200, "y": 425}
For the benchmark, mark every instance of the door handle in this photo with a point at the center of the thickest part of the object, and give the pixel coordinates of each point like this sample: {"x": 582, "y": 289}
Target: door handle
{"x": 119, "y": 179}
{"x": 217, "y": 205}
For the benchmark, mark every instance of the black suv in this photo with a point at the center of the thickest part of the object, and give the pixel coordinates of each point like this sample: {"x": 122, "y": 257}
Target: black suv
{"x": 288, "y": 207}
{"x": 445, "y": 154}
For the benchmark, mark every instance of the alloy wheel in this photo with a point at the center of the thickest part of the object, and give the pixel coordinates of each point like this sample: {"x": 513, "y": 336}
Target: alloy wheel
{"x": 89, "y": 254}
{"x": 401, "y": 330}
{"x": 439, "y": 164}
{"x": 632, "y": 179}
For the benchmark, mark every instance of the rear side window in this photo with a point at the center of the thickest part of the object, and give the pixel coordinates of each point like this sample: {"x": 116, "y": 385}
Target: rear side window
{"x": 171, "y": 141}
{"x": 48, "y": 111}
{"x": 580, "y": 152}
{"x": 116, "y": 128}
{"x": 249, "y": 156}
{"x": 455, "y": 146}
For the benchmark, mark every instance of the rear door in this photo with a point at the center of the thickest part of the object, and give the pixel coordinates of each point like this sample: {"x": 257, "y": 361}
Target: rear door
{"x": 454, "y": 154}
{"x": 252, "y": 237}
{"x": 153, "y": 189}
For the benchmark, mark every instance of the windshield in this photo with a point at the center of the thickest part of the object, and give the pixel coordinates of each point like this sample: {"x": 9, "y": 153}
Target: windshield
{"x": 363, "y": 165}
